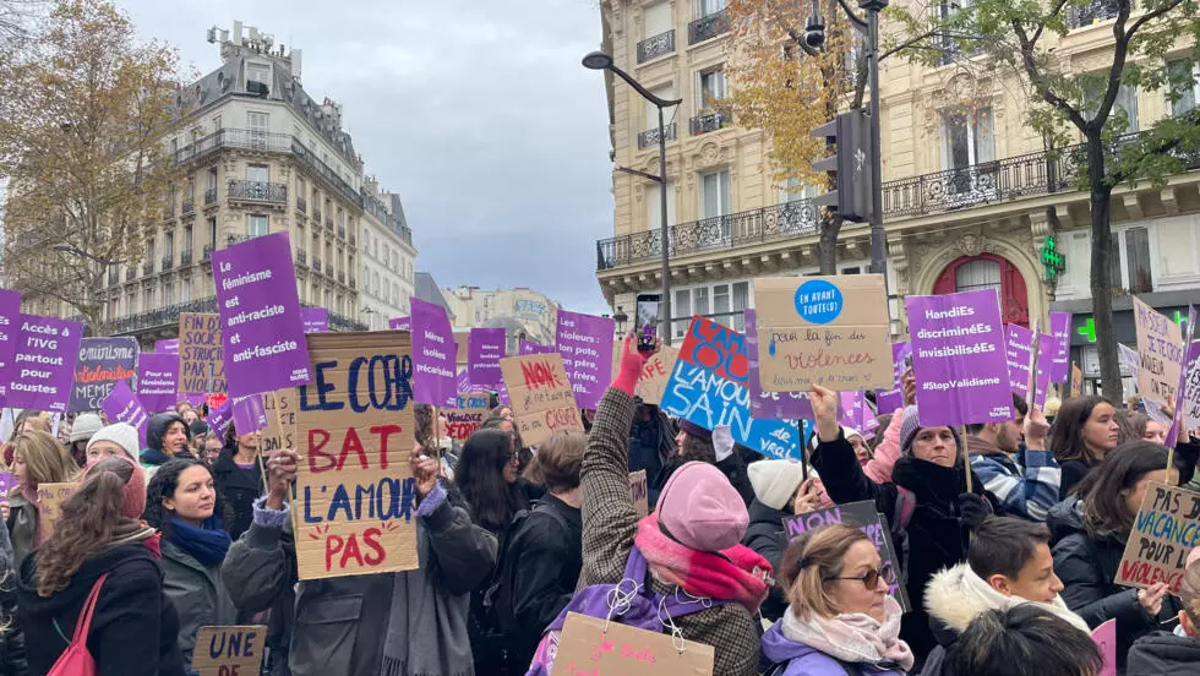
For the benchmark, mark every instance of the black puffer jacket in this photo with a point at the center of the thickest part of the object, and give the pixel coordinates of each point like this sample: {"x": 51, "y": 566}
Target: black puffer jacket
{"x": 237, "y": 489}
{"x": 1087, "y": 567}
{"x": 1164, "y": 653}
{"x": 765, "y": 535}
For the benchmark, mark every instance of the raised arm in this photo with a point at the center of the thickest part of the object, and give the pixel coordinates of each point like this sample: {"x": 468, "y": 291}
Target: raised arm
{"x": 835, "y": 461}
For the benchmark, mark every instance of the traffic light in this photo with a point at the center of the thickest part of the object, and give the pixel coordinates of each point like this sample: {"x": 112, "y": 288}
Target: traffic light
{"x": 853, "y": 197}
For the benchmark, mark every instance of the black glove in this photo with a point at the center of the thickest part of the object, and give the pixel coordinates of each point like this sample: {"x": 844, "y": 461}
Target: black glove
{"x": 972, "y": 509}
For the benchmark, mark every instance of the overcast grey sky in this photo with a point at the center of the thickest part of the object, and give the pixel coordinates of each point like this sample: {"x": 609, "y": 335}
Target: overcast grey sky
{"x": 478, "y": 113}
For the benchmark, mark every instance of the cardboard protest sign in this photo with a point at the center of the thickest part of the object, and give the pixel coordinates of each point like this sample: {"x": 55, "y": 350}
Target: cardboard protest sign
{"x": 640, "y": 491}
{"x": 485, "y": 348}
{"x": 400, "y": 324}
{"x": 1165, "y": 531}
{"x": 586, "y": 345}
{"x": 167, "y": 346}
{"x": 1160, "y": 354}
{"x": 1128, "y": 359}
{"x": 280, "y": 431}
{"x": 229, "y": 651}
{"x": 262, "y": 333}
{"x": 157, "y": 381}
{"x": 433, "y": 355}
{"x": 655, "y": 375}
{"x": 1060, "y": 329}
{"x": 50, "y": 499}
{"x": 959, "y": 358}
{"x": 1105, "y": 637}
{"x": 593, "y": 647}
{"x": 44, "y": 363}
{"x": 10, "y": 318}
{"x": 467, "y": 417}
{"x": 1076, "y": 381}
{"x": 201, "y": 357}
{"x": 542, "y": 400}
{"x": 355, "y": 492}
{"x": 316, "y": 319}
{"x": 863, "y": 515}
{"x": 103, "y": 362}
{"x": 709, "y": 387}
{"x": 770, "y": 405}
{"x": 834, "y": 331}
{"x": 525, "y": 347}
{"x": 122, "y": 405}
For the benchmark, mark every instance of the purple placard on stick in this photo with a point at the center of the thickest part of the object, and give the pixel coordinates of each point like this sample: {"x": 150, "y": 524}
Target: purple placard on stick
{"x": 463, "y": 381}
{"x": 434, "y": 352}
{"x": 1181, "y": 391}
{"x": 261, "y": 330}
{"x": 220, "y": 417}
{"x": 526, "y": 347}
{"x": 400, "y": 324}
{"x": 10, "y": 334}
{"x": 887, "y": 401}
{"x": 959, "y": 359}
{"x": 122, "y": 405}
{"x": 167, "y": 346}
{"x": 485, "y": 347}
{"x": 158, "y": 379}
{"x": 770, "y": 405}
{"x": 900, "y": 352}
{"x": 1060, "y": 328}
{"x": 1047, "y": 349}
{"x": 1018, "y": 343}
{"x": 586, "y": 345}
{"x": 249, "y": 414}
{"x": 316, "y": 319}
{"x": 44, "y": 365}
{"x": 7, "y": 483}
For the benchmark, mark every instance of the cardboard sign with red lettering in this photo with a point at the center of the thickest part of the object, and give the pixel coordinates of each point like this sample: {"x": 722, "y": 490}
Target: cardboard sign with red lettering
{"x": 541, "y": 396}
{"x": 466, "y": 419}
{"x": 229, "y": 651}
{"x": 592, "y": 646}
{"x": 1166, "y": 530}
{"x": 355, "y": 494}
{"x": 640, "y": 491}
{"x": 655, "y": 375}
{"x": 50, "y": 501}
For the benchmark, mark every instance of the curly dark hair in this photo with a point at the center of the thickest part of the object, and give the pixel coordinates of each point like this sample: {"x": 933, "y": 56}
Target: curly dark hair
{"x": 163, "y": 485}
{"x": 480, "y": 477}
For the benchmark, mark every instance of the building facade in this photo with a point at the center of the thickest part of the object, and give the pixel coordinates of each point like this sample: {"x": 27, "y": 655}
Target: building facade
{"x": 971, "y": 199}
{"x": 388, "y": 259}
{"x": 519, "y": 310}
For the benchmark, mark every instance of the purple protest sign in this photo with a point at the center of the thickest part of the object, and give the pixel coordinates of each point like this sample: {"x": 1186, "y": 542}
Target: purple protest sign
{"x": 1181, "y": 396}
{"x": 887, "y": 401}
{"x": 1060, "y": 329}
{"x": 167, "y": 346}
{"x": 248, "y": 413}
{"x": 485, "y": 347}
{"x": 958, "y": 358}
{"x": 526, "y": 347}
{"x": 400, "y": 324}
{"x": 900, "y": 352}
{"x": 1047, "y": 349}
{"x": 434, "y": 353}
{"x": 462, "y": 382}
{"x": 853, "y": 404}
{"x": 261, "y": 331}
{"x": 770, "y": 405}
{"x": 44, "y": 365}
{"x": 586, "y": 345}
{"x": 1018, "y": 342}
{"x": 122, "y": 405}
{"x": 316, "y": 319}
{"x": 7, "y": 483}
{"x": 220, "y": 417}
{"x": 10, "y": 315}
{"x": 158, "y": 378}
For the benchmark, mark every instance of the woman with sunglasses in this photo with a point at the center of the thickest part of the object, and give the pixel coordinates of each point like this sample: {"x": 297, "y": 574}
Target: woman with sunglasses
{"x": 840, "y": 619}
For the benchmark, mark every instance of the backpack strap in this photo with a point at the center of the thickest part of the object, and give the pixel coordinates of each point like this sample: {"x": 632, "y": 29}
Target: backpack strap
{"x": 84, "y": 624}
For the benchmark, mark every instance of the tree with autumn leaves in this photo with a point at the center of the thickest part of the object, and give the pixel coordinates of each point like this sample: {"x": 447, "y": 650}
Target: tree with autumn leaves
{"x": 84, "y": 109}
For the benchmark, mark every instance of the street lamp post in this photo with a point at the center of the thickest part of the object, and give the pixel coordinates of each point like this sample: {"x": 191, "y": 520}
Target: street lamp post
{"x": 602, "y": 61}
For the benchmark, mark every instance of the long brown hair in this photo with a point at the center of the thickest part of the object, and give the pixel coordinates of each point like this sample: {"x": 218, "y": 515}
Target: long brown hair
{"x": 1066, "y": 437}
{"x": 90, "y": 521}
{"x": 46, "y": 460}
{"x": 1104, "y": 509}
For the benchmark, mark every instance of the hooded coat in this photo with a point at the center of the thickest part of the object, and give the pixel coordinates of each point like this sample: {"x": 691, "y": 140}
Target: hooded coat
{"x": 1164, "y": 653}
{"x": 805, "y": 660}
{"x": 153, "y": 456}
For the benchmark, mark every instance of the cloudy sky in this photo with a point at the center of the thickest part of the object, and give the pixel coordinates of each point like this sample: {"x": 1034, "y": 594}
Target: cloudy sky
{"x": 478, "y": 113}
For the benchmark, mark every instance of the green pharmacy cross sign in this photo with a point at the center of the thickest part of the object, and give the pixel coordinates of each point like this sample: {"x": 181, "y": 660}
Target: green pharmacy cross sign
{"x": 1054, "y": 262}
{"x": 1088, "y": 330}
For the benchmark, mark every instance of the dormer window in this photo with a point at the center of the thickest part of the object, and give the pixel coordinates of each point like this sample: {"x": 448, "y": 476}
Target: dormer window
{"x": 258, "y": 78}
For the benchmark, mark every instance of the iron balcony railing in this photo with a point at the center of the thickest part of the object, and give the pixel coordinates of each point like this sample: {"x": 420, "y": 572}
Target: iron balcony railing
{"x": 185, "y": 257}
{"x": 702, "y": 124}
{"x": 654, "y": 47}
{"x": 649, "y": 138}
{"x": 257, "y": 191}
{"x": 189, "y": 206}
{"x": 165, "y": 317}
{"x": 210, "y": 196}
{"x": 707, "y": 27}
{"x": 167, "y": 263}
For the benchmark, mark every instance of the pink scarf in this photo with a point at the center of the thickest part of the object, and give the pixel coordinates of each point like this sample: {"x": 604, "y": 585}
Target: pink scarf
{"x": 853, "y": 637}
{"x": 735, "y": 574}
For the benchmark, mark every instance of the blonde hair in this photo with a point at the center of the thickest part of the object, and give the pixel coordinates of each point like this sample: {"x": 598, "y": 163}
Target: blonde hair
{"x": 46, "y": 461}
{"x": 1189, "y": 593}
{"x": 809, "y": 562}
{"x": 30, "y": 421}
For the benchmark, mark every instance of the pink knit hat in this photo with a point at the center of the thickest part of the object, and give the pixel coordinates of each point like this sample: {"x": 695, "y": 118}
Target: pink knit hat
{"x": 700, "y": 509}
{"x": 134, "y": 501}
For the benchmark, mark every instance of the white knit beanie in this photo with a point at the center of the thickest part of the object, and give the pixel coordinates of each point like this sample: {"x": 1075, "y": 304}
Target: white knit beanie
{"x": 775, "y": 481}
{"x": 121, "y": 434}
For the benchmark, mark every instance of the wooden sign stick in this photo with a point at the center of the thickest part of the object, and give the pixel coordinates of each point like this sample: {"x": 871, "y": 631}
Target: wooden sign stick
{"x": 966, "y": 455}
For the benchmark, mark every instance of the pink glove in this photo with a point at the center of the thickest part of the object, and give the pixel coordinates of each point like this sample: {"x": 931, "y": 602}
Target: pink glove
{"x": 633, "y": 363}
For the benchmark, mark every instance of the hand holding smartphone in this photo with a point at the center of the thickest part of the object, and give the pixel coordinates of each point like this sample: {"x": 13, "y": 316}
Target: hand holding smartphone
{"x": 646, "y": 318}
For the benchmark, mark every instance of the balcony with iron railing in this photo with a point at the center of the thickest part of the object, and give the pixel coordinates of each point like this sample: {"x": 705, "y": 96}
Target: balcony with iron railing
{"x": 257, "y": 191}
{"x": 167, "y": 263}
{"x": 709, "y": 122}
{"x": 649, "y": 138}
{"x": 185, "y": 257}
{"x": 656, "y": 46}
{"x": 207, "y": 254}
{"x": 210, "y": 197}
{"x": 708, "y": 27}
{"x": 167, "y": 317}
{"x": 189, "y": 207}
{"x": 1096, "y": 11}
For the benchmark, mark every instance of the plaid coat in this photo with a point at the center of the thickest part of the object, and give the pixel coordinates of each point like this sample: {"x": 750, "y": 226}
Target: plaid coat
{"x": 610, "y": 522}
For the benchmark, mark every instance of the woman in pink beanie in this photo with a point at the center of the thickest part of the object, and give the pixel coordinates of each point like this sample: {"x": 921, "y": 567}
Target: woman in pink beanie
{"x": 692, "y": 542}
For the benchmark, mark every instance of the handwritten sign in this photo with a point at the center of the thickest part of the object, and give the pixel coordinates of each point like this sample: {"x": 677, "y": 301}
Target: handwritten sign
{"x": 44, "y": 364}
{"x": 229, "y": 651}
{"x": 586, "y": 345}
{"x": 655, "y": 375}
{"x": 1191, "y": 395}
{"x": 1105, "y": 637}
{"x": 863, "y": 515}
{"x": 201, "y": 360}
{"x": 959, "y": 360}
{"x": 709, "y": 387}
{"x": 280, "y": 431}
{"x": 103, "y": 362}
{"x": 433, "y": 355}
{"x": 1160, "y": 354}
{"x": 590, "y": 646}
{"x": 355, "y": 492}
{"x": 770, "y": 405}
{"x": 10, "y": 321}
{"x": 1165, "y": 531}
{"x": 834, "y": 331}
{"x": 640, "y": 491}
{"x": 541, "y": 396}
{"x": 50, "y": 499}
{"x": 467, "y": 417}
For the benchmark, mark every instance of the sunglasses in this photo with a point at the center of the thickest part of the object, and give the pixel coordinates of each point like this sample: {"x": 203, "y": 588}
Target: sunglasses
{"x": 870, "y": 579}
